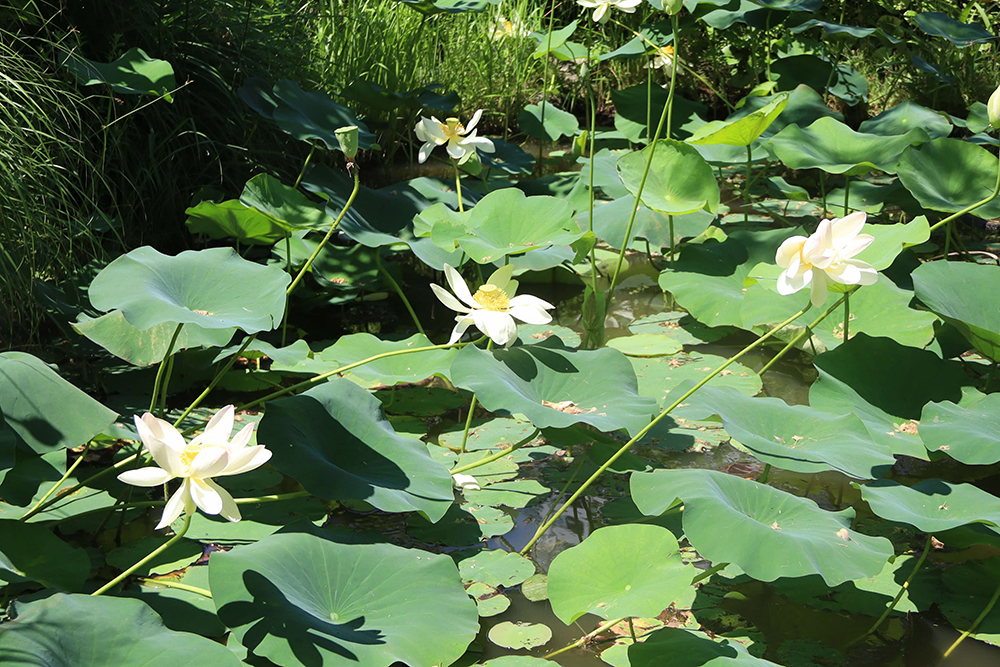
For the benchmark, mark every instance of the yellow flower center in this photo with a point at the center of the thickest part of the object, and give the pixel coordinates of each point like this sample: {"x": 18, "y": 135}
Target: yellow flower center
{"x": 666, "y": 51}
{"x": 188, "y": 454}
{"x": 453, "y": 128}
{"x": 491, "y": 297}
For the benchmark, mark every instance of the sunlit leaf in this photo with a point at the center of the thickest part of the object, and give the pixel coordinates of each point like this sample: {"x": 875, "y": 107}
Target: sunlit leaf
{"x": 132, "y": 73}
{"x": 950, "y": 175}
{"x": 969, "y": 433}
{"x": 964, "y": 295}
{"x": 679, "y": 180}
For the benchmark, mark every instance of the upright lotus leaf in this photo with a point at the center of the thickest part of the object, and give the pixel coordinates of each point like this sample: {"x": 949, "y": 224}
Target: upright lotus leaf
{"x": 742, "y": 131}
{"x": 969, "y": 433}
{"x": 959, "y": 34}
{"x": 932, "y": 505}
{"x": 834, "y": 28}
{"x": 891, "y": 240}
{"x": 636, "y": 108}
{"x": 297, "y": 598}
{"x": 133, "y": 73}
{"x": 805, "y": 106}
{"x": 766, "y": 532}
{"x": 270, "y": 196}
{"x": 950, "y": 175}
{"x": 507, "y": 158}
{"x": 9, "y": 456}
{"x": 335, "y": 441}
{"x": 835, "y": 148}
{"x": 676, "y": 647}
{"x": 630, "y": 570}
{"x": 314, "y": 116}
{"x": 213, "y": 288}
{"x": 794, "y": 437}
{"x": 555, "y": 386}
{"x": 432, "y": 7}
{"x": 548, "y": 41}
{"x": 611, "y": 221}
{"x": 906, "y": 116}
{"x": 144, "y": 347}
{"x": 32, "y": 552}
{"x": 818, "y": 73}
{"x": 504, "y": 222}
{"x": 964, "y": 295}
{"x": 87, "y": 631}
{"x": 232, "y": 219}
{"x": 679, "y": 179}
{"x": 605, "y": 178}
{"x": 871, "y": 198}
{"x": 551, "y": 125}
{"x": 45, "y": 411}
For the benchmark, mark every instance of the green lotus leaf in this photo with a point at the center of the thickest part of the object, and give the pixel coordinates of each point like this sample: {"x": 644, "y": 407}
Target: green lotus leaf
{"x": 28, "y": 391}
{"x": 835, "y": 148}
{"x": 297, "y": 598}
{"x": 742, "y": 131}
{"x": 259, "y": 520}
{"x": 906, "y": 116}
{"x": 805, "y": 106}
{"x": 766, "y": 532}
{"x": 675, "y": 647}
{"x": 890, "y": 240}
{"x": 86, "y": 631}
{"x": 978, "y": 119}
{"x": 757, "y": 14}
{"x": 679, "y": 179}
{"x": 793, "y": 437}
{"x": 493, "y": 567}
{"x": 520, "y": 635}
{"x": 504, "y": 222}
{"x": 680, "y": 326}
{"x": 630, "y": 570}
{"x": 932, "y": 505}
{"x": 547, "y": 122}
{"x": 390, "y": 370}
{"x": 213, "y": 288}
{"x": 231, "y": 219}
{"x": 871, "y": 198}
{"x": 834, "y": 28}
{"x": 144, "y": 347}
{"x": 637, "y": 108}
{"x": 181, "y": 609}
{"x": 314, "y": 116}
{"x": 969, "y": 433}
{"x": 661, "y": 377}
{"x": 964, "y": 295}
{"x": 489, "y": 601}
{"x": 959, "y": 34}
{"x": 950, "y": 175}
{"x": 556, "y": 386}
{"x": 646, "y": 345}
{"x": 507, "y": 158}
{"x": 133, "y": 73}
{"x": 606, "y": 179}
{"x": 462, "y": 525}
{"x": 515, "y": 494}
{"x": 966, "y": 593}
{"x": 432, "y": 7}
{"x": 336, "y": 442}
{"x": 516, "y": 661}
{"x": 286, "y": 204}
{"x": 791, "y": 5}
{"x": 31, "y": 552}
{"x": 548, "y": 41}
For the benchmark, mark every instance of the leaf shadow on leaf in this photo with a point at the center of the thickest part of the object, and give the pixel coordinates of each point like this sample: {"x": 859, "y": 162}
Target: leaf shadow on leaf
{"x": 303, "y": 631}
{"x": 523, "y": 360}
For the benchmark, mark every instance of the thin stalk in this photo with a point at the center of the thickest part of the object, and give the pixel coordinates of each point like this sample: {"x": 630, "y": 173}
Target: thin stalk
{"x": 746, "y": 191}
{"x": 718, "y": 567}
{"x": 302, "y": 172}
{"x": 217, "y": 379}
{"x": 631, "y": 630}
{"x": 333, "y": 228}
{"x": 847, "y": 316}
{"x": 792, "y": 343}
{"x": 156, "y": 552}
{"x": 458, "y": 185}
{"x": 670, "y": 222}
{"x": 288, "y": 269}
{"x": 628, "y": 445}
{"x": 472, "y": 408}
{"x": 899, "y": 595}
{"x": 163, "y": 365}
{"x": 55, "y": 487}
{"x": 492, "y": 457}
{"x": 545, "y": 83}
{"x": 847, "y": 195}
{"x": 765, "y": 475}
{"x": 166, "y": 383}
{"x": 592, "y": 107}
{"x": 975, "y": 624}
{"x": 822, "y": 189}
{"x": 989, "y": 377}
{"x": 399, "y": 291}
{"x": 178, "y": 585}
{"x": 584, "y": 639}
{"x": 665, "y": 118}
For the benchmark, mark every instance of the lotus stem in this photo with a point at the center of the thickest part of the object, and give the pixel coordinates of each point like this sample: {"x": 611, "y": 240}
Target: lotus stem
{"x": 847, "y": 316}
{"x": 178, "y": 585}
{"x": 156, "y": 552}
{"x": 215, "y": 380}
{"x": 55, "y": 487}
{"x": 458, "y": 185}
{"x": 899, "y": 596}
{"x": 472, "y": 408}
{"x": 399, "y": 291}
{"x": 163, "y": 364}
{"x": 808, "y": 330}
{"x": 975, "y": 624}
{"x": 584, "y": 639}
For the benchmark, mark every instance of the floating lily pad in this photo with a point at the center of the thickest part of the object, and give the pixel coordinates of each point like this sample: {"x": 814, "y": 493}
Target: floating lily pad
{"x": 959, "y": 34}
{"x": 646, "y": 345}
{"x": 462, "y": 525}
{"x": 493, "y": 567}
{"x": 389, "y": 370}
{"x": 906, "y": 116}
{"x": 536, "y": 587}
{"x": 932, "y": 505}
{"x": 259, "y": 520}
{"x": 835, "y": 148}
{"x": 551, "y": 125}
{"x": 133, "y": 73}
{"x": 680, "y": 326}
{"x": 489, "y": 601}
{"x": 768, "y": 533}
{"x": 335, "y": 441}
{"x": 679, "y": 180}
{"x": 529, "y": 334}
{"x": 689, "y": 649}
{"x": 31, "y": 552}
{"x": 794, "y": 437}
{"x": 498, "y": 433}
{"x": 630, "y": 570}
{"x": 950, "y": 175}
{"x": 963, "y": 295}
{"x": 299, "y": 597}
{"x": 73, "y": 631}
{"x": 969, "y": 433}
{"x": 419, "y": 401}
{"x": 514, "y": 494}
{"x": 659, "y": 377}
{"x": 554, "y": 386}
{"x": 28, "y": 391}
{"x": 520, "y": 635}
{"x": 213, "y": 288}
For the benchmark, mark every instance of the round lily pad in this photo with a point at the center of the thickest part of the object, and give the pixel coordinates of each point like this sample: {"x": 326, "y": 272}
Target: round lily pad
{"x": 646, "y": 345}
{"x": 494, "y": 567}
{"x": 489, "y": 601}
{"x": 520, "y": 635}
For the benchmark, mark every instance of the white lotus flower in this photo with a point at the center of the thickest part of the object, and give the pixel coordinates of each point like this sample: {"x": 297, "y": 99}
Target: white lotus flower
{"x": 493, "y": 307}
{"x": 208, "y": 455}
{"x": 601, "y": 7}
{"x": 465, "y": 482}
{"x": 663, "y": 57}
{"x": 825, "y": 256}
{"x": 462, "y": 141}
{"x": 503, "y": 28}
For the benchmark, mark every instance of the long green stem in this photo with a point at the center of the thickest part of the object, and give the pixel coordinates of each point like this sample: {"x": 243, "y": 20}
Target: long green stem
{"x": 216, "y": 380}
{"x": 458, "y": 186}
{"x": 494, "y": 456}
{"x": 899, "y": 595}
{"x": 807, "y": 330}
{"x": 163, "y": 366}
{"x": 665, "y": 119}
{"x": 55, "y": 487}
{"x": 472, "y": 409}
{"x": 847, "y": 316}
{"x": 302, "y": 172}
{"x": 392, "y": 281}
{"x": 584, "y": 639}
{"x": 975, "y": 624}
{"x": 628, "y": 445}
{"x": 178, "y": 585}
{"x": 156, "y": 552}
{"x": 333, "y": 228}
{"x": 746, "y": 190}
{"x": 968, "y": 209}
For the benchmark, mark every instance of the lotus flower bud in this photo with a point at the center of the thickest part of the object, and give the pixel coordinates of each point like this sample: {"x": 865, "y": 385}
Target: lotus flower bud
{"x": 673, "y": 6}
{"x": 348, "y": 139}
{"x": 993, "y": 109}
